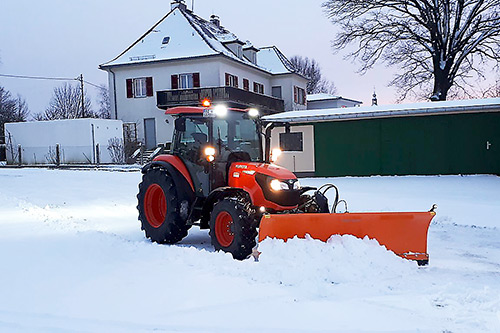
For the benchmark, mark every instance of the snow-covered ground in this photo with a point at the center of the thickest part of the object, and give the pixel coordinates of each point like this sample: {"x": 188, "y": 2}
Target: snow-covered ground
{"x": 73, "y": 258}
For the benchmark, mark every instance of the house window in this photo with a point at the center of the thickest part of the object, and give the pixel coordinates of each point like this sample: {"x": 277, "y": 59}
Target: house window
{"x": 130, "y": 132}
{"x": 140, "y": 87}
{"x": 292, "y": 141}
{"x": 231, "y": 80}
{"x": 246, "y": 84}
{"x": 276, "y": 92}
{"x": 258, "y": 88}
{"x": 185, "y": 81}
{"x": 299, "y": 95}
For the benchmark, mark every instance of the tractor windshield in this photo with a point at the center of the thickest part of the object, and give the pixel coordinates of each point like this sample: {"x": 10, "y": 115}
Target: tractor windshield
{"x": 238, "y": 133}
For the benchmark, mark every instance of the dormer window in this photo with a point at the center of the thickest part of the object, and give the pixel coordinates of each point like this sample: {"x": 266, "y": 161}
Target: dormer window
{"x": 250, "y": 53}
{"x": 235, "y": 46}
{"x": 165, "y": 40}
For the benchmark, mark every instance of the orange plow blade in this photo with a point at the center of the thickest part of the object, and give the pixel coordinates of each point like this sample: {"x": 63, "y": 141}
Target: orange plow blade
{"x": 403, "y": 233}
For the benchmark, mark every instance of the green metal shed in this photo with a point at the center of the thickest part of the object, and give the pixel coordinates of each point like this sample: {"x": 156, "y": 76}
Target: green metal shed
{"x": 452, "y": 137}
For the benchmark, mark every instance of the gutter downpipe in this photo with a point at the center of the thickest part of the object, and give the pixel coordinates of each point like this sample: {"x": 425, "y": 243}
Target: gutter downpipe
{"x": 114, "y": 92}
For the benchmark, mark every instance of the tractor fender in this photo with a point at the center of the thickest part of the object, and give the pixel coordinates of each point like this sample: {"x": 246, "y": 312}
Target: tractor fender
{"x": 217, "y": 195}
{"x": 183, "y": 182}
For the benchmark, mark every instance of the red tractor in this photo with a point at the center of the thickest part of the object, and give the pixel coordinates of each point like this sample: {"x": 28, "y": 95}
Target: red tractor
{"x": 219, "y": 177}
{"x": 215, "y": 176}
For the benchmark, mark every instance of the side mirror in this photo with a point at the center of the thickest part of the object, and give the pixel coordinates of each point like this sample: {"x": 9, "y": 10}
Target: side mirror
{"x": 180, "y": 124}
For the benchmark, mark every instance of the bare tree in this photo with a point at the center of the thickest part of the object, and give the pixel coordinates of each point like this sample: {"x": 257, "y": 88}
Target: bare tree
{"x": 11, "y": 109}
{"x": 493, "y": 90}
{"x": 104, "y": 103}
{"x": 66, "y": 103}
{"x": 439, "y": 41}
{"x": 310, "y": 69}
{"x": 116, "y": 150}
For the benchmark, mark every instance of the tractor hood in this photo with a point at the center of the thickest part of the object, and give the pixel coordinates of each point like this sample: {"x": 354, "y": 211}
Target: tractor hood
{"x": 271, "y": 170}
{"x": 268, "y": 185}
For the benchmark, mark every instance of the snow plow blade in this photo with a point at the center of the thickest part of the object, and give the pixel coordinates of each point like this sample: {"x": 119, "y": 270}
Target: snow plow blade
{"x": 403, "y": 233}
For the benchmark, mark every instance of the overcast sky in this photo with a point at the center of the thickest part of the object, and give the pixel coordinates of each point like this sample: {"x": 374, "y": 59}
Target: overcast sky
{"x": 64, "y": 38}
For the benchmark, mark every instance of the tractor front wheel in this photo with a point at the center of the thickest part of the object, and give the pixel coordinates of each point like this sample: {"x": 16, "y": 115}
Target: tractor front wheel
{"x": 233, "y": 228}
{"x": 158, "y": 206}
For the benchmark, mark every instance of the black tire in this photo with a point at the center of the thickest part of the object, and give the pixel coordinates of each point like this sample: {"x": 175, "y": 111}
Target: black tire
{"x": 233, "y": 228}
{"x": 158, "y": 206}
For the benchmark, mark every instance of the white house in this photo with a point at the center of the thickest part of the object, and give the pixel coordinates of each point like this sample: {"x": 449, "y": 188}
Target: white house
{"x": 184, "y": 58}
{"x": 327, "y": 101}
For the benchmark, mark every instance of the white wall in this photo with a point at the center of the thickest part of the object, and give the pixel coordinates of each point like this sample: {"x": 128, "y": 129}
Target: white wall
{"x": 296, "y": 161}
{"x": 287, "y": 83}
{"x": 38, "y": 140}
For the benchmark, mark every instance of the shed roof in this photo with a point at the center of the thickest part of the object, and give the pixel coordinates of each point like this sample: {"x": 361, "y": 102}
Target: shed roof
{"x": 385, "y": 111}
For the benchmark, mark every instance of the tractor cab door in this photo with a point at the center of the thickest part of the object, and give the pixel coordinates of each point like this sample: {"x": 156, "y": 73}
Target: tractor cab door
{"x": 190, "y": 140}
{"x": 236, "y": 139}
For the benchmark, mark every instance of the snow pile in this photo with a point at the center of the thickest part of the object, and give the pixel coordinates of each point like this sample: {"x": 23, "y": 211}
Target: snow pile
{"x": 342, "y": 260}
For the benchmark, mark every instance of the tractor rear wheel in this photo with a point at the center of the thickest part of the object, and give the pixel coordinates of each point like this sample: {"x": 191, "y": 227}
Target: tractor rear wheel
{"x": 158, "y": 206}
{"x": 233, "y": 228}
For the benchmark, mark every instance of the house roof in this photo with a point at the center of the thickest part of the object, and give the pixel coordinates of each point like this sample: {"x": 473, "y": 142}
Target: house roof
{"x": 385, "y": 111}
{"x": 326, "y": 97}
{"x": 275, "y": 62}
{"x": 191, "y": 36}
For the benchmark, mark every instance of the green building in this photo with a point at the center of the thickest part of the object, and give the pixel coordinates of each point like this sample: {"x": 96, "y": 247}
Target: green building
{"x": 434, "y": 138}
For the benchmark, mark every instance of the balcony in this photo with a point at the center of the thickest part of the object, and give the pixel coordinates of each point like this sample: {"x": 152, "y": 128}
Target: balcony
{"x": 233, "y": 97}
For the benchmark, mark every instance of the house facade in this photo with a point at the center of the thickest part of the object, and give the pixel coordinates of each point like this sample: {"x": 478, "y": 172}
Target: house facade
{"x": 183, "y": 59}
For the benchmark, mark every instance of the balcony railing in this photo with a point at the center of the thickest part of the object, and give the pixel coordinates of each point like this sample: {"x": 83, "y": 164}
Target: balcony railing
{"x": 234, "y": 97}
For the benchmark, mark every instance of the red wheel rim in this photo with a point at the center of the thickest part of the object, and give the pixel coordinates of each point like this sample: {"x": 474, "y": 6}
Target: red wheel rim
{"x": 223, "y": 232}
{"x": 155, "y": 205}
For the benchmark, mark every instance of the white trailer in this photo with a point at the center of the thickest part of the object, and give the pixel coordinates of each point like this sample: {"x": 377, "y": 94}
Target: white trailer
{"x": 72, "y": 141}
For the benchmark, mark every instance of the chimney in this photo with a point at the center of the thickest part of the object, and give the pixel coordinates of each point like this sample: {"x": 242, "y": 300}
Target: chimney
{"x": 214, "y": 19}
{"x": 178, "y": 4}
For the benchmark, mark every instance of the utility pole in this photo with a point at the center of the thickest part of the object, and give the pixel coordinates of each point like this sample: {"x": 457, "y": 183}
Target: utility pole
{"x": 80, "y": 78}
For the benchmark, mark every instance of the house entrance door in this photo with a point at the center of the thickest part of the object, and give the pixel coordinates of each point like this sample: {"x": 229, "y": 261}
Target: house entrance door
{"x": 150, "y": 133}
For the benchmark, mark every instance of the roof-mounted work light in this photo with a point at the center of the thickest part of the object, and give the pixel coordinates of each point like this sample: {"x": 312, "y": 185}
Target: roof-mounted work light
{"x": 206, "y": 103}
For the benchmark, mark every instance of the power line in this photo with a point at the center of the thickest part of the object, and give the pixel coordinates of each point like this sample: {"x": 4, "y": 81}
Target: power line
{"x": 49, "y": 78}
{"x": 92, "y": 84}
{"x": 38, "y": 77}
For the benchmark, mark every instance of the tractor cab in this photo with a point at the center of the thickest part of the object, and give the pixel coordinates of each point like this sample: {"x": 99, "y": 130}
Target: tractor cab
{"x": 208, "y": 141}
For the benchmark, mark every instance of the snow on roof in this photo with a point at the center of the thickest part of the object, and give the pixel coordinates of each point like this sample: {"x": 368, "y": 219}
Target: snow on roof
{"x": 393, "y": 110}
{"x": 326, "y": 97}
{"x": 183, "y": 41}
{"x": 321, "y": 97}
{"x": 182, "y": 34}
{"x": 274, "y": 61}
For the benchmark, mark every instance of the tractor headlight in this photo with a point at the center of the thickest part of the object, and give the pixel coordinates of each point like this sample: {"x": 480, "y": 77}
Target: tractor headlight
{"x": 220, "y": 111}
{"x": 209, "y": 153}
{"x": 253, "y": 113}
{"x": 277, "y": 185}
{"x": 276, "y": 152}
